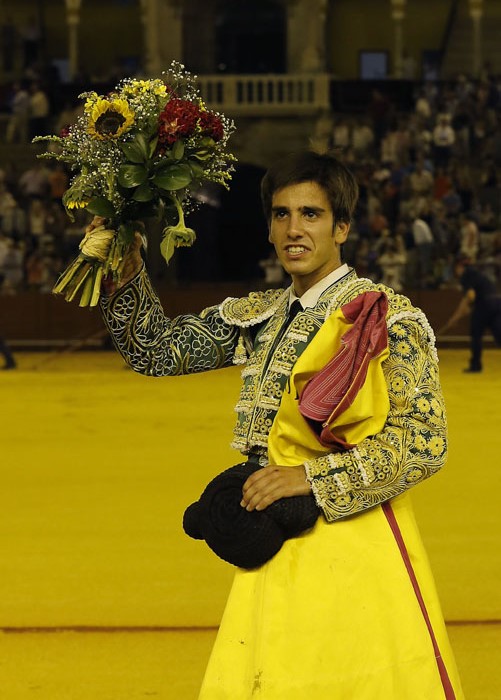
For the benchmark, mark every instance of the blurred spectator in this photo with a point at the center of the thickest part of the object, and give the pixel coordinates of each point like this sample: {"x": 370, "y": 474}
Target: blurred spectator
{"x": 8, "y": 174}
{"x": 4, "y": 247}
{"x": 39, "y": 111}
{"x": 395, "y": 146}
{"x": 423, "y": 109}
{"x": 423, "y": 240}
{"x": 441, "y": 183}
{"x": 362, "y": 139}
{"x": 469, "y": 236}
{"x": 421, "y": 179}
{"x": 380, "y": 110}
{"x": 452, "y": 201}
{"x": 6, "y": 352}
{"x": 7, "y": 204}
{"x": 341, "y": 133}
{"x": 39, "y": 273}
{"x": 392, "y": 262}
{"x": 18, "y": 122}
{"x": 34, "y": 182}
{"x": 37, "y": 217}
{"x": 487, "y": 218}
{"x": 58, "y": 181}
{"x": 377, "y": 221}
{"x": 420, "y": 139}
{"x": 55, "y": 224}
{"x": 443, "y": 136}
{"x": 321, "y": 140}
{"x": 12, "y": 268}
{"x": 464, "y": 185}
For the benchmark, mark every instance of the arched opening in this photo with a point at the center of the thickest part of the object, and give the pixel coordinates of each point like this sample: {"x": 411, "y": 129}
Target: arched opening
{"x": 250, "y": 37}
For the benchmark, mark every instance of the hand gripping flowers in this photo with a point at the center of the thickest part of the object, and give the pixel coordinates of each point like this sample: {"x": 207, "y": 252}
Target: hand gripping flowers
{"x": 137, "y": 153}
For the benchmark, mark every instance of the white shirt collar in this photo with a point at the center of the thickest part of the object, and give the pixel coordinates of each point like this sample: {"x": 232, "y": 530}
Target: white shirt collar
{"x": 311, "y": 297}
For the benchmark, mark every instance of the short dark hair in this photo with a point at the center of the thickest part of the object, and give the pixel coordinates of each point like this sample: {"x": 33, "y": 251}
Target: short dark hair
{"x": 339, "y": 183}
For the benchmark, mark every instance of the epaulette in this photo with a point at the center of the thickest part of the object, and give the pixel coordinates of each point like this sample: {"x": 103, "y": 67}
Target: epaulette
{"x": 401, "y": 308}
{"x": 252, "y": 309}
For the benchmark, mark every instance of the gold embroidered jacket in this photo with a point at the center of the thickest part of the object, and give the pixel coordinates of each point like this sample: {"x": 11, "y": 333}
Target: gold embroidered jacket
{"x": 412, "y": 445}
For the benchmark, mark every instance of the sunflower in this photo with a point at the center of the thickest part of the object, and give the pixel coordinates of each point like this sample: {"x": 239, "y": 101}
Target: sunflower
{"x": 109, "y": 119}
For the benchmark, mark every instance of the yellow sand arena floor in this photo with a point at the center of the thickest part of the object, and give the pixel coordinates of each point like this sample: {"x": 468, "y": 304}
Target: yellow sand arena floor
{"x": 102, "y": 597}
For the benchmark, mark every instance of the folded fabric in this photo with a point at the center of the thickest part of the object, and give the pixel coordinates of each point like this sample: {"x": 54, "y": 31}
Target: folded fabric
{"x": 326, "y": 398}
{"x": 246, "y": 539}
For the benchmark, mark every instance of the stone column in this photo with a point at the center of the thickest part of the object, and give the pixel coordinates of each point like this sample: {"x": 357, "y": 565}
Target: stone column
{"x": 398, "y": 14}
{"x": 306, "y": 40}
{"x": 149, "y": 19}
{"x": 476, "y": 8}
{"x": 73, "y": 20}
{"x": 163, "y": 27}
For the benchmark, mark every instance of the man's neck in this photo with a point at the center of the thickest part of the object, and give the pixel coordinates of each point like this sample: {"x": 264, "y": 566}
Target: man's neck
{"x": 311, "y": 296}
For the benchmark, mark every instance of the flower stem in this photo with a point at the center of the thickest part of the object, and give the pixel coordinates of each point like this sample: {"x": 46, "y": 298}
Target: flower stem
{"x": 179, "y": 209}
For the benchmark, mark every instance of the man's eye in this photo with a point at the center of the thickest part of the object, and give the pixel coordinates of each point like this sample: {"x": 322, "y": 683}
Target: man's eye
{"x": 280, "y": 214}
{"x": 310, "y": 214}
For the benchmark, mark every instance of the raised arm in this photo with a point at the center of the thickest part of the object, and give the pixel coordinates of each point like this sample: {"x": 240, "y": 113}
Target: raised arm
{"x": 153, "y": 344}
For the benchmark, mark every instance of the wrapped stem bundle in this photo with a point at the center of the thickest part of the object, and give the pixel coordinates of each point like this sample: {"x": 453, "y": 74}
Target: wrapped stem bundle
{"x": 102, "y": 255}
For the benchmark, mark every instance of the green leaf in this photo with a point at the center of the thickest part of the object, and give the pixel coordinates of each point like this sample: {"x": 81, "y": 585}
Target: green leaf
{"x": 100, "y": 206}
{"x": 143, "y": 193}
{"x": 196, "y": 169}
{"x": 167, "y": 247}
{"x": 173, "y": 178}
{"x": 153, "y": 147}
{"x": 133, "y": 152}
{"x": 137, "y": 150}
{"x": 178, "y": 150}
{"x": 132, "y": 175}
{"x": 202, "y": 154}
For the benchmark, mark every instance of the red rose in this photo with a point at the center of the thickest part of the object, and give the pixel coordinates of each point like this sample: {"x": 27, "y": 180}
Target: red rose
{"x": 211, "y": 125}
{"x": 178, "y": 119}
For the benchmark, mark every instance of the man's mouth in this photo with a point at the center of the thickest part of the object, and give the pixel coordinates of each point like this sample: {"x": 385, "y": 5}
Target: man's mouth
{"x": 296, "y": 249}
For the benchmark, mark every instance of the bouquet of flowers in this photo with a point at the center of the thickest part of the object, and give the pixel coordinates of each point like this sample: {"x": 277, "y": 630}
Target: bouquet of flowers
{"x": 137, "y": 153}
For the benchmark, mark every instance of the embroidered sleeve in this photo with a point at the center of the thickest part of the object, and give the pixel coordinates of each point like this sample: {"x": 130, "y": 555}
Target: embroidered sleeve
{"x": 413, "y": 443}
{"x": 156, "y": 345}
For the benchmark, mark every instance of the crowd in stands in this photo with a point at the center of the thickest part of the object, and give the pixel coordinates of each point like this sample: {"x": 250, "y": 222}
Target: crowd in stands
{"x": 430, "y": 179}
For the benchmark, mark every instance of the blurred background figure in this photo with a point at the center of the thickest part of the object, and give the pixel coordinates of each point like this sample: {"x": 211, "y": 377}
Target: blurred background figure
{"x": 482, "y": 302}
{"x": 18, "y": 121}
{"x": 7, "y": 355}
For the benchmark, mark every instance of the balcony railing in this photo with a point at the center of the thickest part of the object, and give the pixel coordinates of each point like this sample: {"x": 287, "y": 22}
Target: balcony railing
{"x": 255, "y": 95}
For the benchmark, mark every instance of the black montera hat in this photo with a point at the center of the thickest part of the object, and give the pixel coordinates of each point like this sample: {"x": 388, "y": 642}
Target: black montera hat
{"x": 244, "y": 538}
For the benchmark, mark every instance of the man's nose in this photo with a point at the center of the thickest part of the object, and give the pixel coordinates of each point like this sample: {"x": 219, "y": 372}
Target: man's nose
{"x": 295, "y": 228}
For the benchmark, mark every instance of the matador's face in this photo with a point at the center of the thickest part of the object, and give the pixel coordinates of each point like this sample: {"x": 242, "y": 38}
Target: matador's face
{"x": 306, "y": 237}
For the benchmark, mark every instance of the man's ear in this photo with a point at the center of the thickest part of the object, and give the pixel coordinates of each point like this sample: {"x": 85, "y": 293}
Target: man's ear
{"x": 341, "y": 231}
{"x": 270, "y": 237}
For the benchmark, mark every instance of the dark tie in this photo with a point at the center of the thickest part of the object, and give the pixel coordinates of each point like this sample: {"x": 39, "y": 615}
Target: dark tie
{"x": 294, "y": 309}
